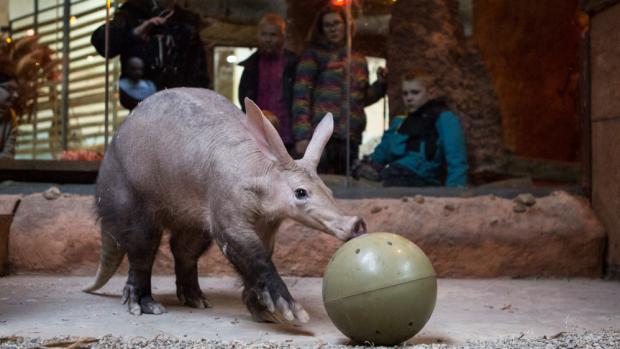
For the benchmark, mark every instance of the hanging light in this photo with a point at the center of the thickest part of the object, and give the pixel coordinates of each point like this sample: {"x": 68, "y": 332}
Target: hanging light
{"x": 339, "y": 2}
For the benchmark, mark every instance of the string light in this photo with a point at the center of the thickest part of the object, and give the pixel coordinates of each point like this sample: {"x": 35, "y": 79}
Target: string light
{"x": 9, "y": 40}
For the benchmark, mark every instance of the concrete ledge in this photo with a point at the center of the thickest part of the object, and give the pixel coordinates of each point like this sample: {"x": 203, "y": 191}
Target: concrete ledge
{"x": 558, "y": 236}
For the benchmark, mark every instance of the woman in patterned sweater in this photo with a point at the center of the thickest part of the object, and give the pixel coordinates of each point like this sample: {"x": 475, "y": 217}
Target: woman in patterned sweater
{"x": 319, "y": 89}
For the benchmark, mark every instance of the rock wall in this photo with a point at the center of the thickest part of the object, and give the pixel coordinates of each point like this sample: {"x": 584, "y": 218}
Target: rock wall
{"x": 557, "y": 236}
{"x": 605, "y": 70}
{"x": 531, "y": 49}
{"x": 428, "y": 34}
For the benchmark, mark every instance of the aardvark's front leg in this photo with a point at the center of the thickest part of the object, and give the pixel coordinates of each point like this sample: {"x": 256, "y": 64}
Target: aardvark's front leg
{"x": 265, "y": 294}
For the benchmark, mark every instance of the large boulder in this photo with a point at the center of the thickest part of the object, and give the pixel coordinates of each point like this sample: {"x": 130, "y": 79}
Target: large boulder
{"x": 486, "y": 236}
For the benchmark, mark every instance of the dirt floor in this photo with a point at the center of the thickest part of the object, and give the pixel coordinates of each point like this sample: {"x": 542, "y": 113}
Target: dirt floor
{"x": 509, "y": 313}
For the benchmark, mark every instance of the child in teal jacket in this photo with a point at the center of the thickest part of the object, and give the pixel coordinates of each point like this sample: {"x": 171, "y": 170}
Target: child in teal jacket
{"x": 422, "y": 147}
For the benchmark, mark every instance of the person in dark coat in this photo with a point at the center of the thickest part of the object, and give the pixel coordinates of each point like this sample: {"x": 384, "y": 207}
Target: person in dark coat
{"x": 8, "y": 118}
{"x": 269, "y": 75}
{"x": 164, "y": 36}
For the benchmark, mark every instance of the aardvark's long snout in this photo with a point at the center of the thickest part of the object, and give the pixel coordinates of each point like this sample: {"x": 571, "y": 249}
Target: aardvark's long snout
{"x": 348, "y": 227}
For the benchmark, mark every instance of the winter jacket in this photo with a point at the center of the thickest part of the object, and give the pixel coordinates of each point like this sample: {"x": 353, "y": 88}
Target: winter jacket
{"x": 445, "y": 136}
{"x": 248, "y": 85}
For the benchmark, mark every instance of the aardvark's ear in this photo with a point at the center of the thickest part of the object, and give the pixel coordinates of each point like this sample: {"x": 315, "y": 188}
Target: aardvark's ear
{"x": 320, "y": 137}
{"x": 265, "y": 135}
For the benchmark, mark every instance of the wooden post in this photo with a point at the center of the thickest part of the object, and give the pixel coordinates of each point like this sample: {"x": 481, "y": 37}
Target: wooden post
{"x": 8, "y": 207}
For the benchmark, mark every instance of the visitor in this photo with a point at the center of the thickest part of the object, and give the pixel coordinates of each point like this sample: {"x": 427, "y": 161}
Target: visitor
{"x": 164, "y": 36}
{"x": 320, "y": 88}
{"x": 268, "y": 76}
{"x": 8, "y": 119}
{"x": 423, "y": 146}
{"x": 133, "y": 88}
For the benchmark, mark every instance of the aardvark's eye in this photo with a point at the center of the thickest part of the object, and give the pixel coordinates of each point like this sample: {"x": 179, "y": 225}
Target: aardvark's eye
{"x": 301, "y": 193}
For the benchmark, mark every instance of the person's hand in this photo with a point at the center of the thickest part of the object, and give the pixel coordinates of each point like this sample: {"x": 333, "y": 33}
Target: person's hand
{"x": 365, "y": 168}
{"x": 143, "y": 29}
{"x": 382, "y": 73}
{"x": 8, "y": 95}
{"x": 300, "y": 147}
{"x": 366, "y": 171}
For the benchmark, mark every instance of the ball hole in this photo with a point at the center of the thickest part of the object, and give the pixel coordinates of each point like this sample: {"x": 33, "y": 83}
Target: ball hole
{"x": 357, "y": 251}
{"x": 389, "y": 243}
{"x": 378, "y": 332}
{"x": 411, "y": 324}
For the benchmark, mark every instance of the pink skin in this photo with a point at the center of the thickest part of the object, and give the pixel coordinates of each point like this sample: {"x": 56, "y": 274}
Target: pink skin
{"x": 333, "y": 27}
{"x": 270, "y": 39}
{"x": 415, "y": 94}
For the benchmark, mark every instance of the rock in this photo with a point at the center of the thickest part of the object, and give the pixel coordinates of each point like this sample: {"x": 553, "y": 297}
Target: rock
{"x": 449, "y": 207}
{"x": 52, "y": 193}
{"x": 418, "y": 199}
{"x": 518, "y": 183}
{"x": 376, "y": 209}
{"x": 560, "y": 238}
{"x": 519, "y": 208}
{"x": 526, "y": 199}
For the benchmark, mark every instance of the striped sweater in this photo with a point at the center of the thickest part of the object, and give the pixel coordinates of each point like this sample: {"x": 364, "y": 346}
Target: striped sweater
{"x": 319, "y": 88}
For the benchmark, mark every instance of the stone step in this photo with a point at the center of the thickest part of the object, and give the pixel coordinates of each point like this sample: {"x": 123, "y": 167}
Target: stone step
{"x": 484, "y": 236}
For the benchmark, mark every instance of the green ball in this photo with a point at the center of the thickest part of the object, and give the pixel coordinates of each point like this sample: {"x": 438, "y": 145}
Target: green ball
{"x": 379, "y": 288}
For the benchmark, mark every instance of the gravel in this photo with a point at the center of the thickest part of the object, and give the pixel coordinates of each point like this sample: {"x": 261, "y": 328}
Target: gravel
{"x": 605, "y": 339}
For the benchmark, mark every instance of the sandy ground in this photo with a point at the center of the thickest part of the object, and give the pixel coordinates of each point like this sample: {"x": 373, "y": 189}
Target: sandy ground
{"x": 467, "y": 310}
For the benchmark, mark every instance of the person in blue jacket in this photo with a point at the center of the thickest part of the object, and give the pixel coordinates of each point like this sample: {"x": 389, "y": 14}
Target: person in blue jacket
{"x": 426, "y": 147}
